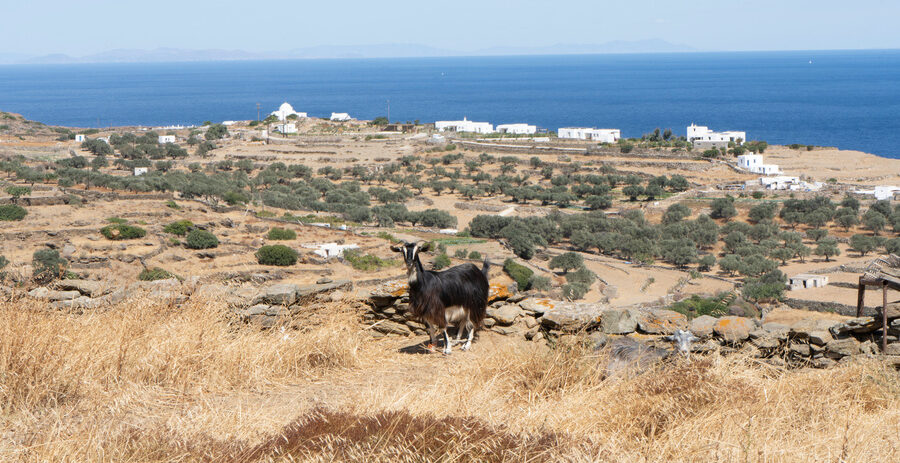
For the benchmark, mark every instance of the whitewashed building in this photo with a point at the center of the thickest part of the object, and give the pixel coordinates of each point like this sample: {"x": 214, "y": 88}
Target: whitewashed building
{"x": 163, "y": 139}
{"x": 286, "y": 128}
{"x": 807, "y": 280}
{"x": 585, "y": 133}
{"x": 79, "y": 138}
{"x": 881, "y": 192}
{"x": 340, "y": 117}
{"x": 286, "y": 110}
{"x": 517, "y": 129}
{"x": 330, "y": 250}
{"x": 464, "y": 125}
{"x": 754, "y": 163}
{"x": 699, "y": 133}
{"x": 138, "y": 171}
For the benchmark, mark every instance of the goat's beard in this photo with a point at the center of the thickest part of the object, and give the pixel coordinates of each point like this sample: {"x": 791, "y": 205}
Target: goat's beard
{"x": 411, "y": 274}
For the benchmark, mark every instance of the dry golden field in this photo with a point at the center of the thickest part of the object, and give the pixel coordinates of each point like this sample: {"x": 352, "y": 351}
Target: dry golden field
{"x": 146, "y": 381}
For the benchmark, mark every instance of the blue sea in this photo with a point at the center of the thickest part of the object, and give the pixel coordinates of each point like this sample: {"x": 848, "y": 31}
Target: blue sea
{"x": 848, "y": 99}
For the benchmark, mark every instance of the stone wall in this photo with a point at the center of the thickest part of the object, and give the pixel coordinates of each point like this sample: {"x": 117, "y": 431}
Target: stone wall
{"x": 815, "y": 341}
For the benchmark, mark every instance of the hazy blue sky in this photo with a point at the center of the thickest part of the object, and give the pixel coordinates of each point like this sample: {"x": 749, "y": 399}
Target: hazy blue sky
{"x": 82, "y": 27}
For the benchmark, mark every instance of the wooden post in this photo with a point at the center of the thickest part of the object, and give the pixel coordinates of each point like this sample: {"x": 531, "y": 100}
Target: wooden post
{"x": 884, "y": 317}
{"x": 860, "y": 297}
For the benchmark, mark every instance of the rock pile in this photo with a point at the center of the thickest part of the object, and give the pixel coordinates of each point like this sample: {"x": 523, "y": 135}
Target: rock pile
{"x": 815, "y": 341}
{"x": 268, "y": 305}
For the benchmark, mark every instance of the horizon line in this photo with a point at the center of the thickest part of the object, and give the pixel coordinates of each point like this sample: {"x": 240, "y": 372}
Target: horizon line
{"x": 461, "y": 55}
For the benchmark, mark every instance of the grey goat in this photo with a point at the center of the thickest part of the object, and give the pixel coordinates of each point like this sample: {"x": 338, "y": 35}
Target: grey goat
{"x": 632, "y": 356}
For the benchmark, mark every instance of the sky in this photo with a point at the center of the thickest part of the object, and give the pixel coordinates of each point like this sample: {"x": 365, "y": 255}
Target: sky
{"x": 83, "y": 27}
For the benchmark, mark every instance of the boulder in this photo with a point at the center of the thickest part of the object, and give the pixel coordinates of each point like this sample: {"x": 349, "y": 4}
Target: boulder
{"x": 391, "y": 327}
{"x": 842, "y": 348}
{"x": 619, "y": 321}
{"x": 51, "y": 295}
{"x": 734, "y": 329}
{"x": 893, "y": 311}
{"x": 279, "y": 294}
{"x": 777, "y": 330}
{"x": 820, "y": 338}
{"x": 803, "y": 328}
{"x": 86, "y": 287}
{"x": 661, "y": 321}
{"x": 308, "y": 292}
{"x": 702, "y": 326}
{"x": 505, "y": 315}
{"x": 762, "y": 339}
{"x": 539, "y": 305}
{"x": 861, "y": 325}
{"x": 893, "y": 349}
{"x": 570, "y": 316}
{"x": 68, "y": 251}
{"x": 507, "y": 330}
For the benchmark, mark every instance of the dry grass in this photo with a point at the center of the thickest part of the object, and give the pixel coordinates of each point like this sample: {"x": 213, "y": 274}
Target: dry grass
{"x": 150, "y": 382}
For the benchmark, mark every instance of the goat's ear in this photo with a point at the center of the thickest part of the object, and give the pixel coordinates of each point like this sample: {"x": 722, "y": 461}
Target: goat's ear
{"x": 397, "y": 247}
{"x": 425, "y": 247}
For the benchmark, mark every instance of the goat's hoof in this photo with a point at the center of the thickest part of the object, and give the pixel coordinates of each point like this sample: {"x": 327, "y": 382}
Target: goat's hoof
{"x": 465, "y": 347}
{"x": 447, "y": 351}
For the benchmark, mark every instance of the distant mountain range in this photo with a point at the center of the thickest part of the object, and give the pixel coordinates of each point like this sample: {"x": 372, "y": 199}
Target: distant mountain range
{"x": 392, "y": 50}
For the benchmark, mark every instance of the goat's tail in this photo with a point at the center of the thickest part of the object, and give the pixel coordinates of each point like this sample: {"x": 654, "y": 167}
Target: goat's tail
{"x": 486, "y": 268}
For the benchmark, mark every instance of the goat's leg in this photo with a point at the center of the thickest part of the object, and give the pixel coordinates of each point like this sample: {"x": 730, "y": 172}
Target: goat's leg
{"x": 446, "y": 342}
{"x": 432, "y": 334}
{"x": 460, "y": 328}
{"x": 471, "y": 328}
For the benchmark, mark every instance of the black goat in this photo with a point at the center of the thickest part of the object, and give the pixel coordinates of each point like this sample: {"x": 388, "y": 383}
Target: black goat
{"x": 457, "y": 296}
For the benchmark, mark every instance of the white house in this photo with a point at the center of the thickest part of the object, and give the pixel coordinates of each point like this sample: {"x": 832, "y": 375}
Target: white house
{"x": 699, "y": 133}
{"x": 584, "y": 133}
{"x": 517, "y": 129}
{"x": 807, "y": 280}
{"x": 163, "y": 139}
{"x": 286, "y": 110}
{"x": 340, "y": 117}
{"x": 329, "y": 250}
{"x": 79, "y": 138}
{"x": 138, "y": 171}
{"x": 881, "y": 192}
{"x": 754, "y": 163}
{"x": 464, "y": 125}
{"x": 286, "y": 128}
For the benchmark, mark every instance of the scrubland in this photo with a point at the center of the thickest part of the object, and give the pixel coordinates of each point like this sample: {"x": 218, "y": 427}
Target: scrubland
{"x": 146, "y": 381}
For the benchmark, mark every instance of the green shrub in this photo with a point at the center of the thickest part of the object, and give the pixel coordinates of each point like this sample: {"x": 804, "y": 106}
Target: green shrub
{"x": 539, "y": 283}
{"x": 518, "y": 272}
{"x": 574, "y": 291}
{"x": 696, "y": 306}
{"x": 387, "y": 236}
{"x": 460, "y": 254}
{"x": 116, "y": 220}
{"x": 172, "y": 204}
{"x": 200, "y": 239}
{"x": 277, "y": 234}
{"x": 122, "y": 232}
{"x": 180, "y": 228}
{"x": 769, "y": 287}
{"x": 48, "y": 265}
{"x": 475, "y": 255}
{"x": 155, "y": 273}
{"x": 10, "y": 212}
{"x": 277, "y": 254}
{"x": 441, "y": 261}
{"x": 366, "y": 262}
